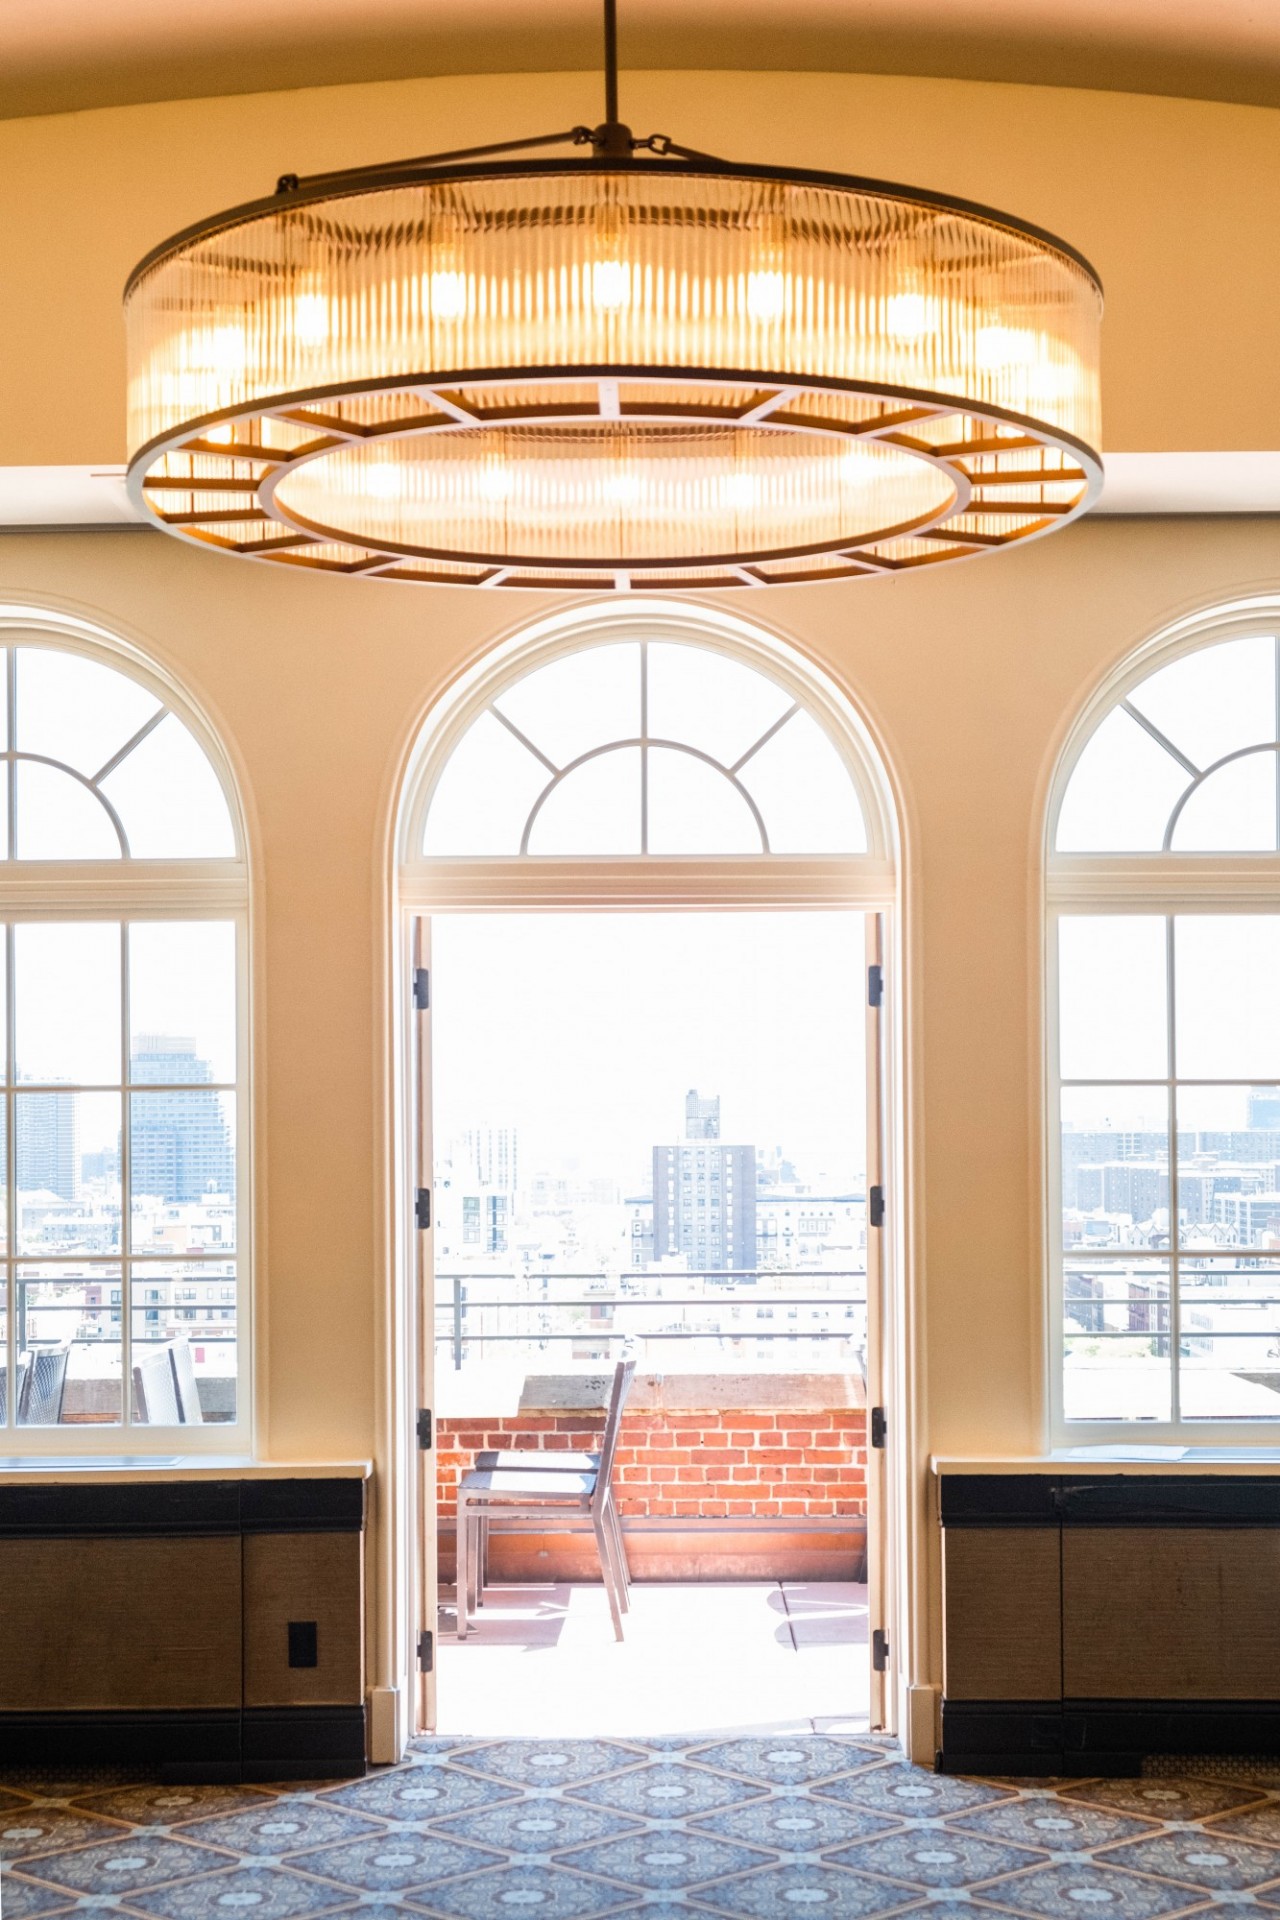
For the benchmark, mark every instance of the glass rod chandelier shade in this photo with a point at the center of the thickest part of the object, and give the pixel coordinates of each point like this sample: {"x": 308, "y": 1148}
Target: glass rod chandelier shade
{"x": 612, "y": 372}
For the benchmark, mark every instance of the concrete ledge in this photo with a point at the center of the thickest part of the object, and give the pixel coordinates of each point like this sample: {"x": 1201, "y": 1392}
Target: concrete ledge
{"x": 679, "y": 1550}
{"x": 694, "y": 1392}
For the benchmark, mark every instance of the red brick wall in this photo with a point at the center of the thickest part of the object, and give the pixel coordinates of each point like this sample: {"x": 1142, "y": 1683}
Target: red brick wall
{"x": 726, "y": 1464}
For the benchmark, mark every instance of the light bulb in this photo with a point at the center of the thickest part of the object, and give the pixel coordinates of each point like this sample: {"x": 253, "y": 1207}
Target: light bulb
{"x": 311, "y": 319}
{"x": 610, "y": 285}
{"x": 766, "y": 295}
{"x": 221, "y": 436}
{"x": 446, "y": 293}
{"x": 909, "y": 316}
{"x": 496, "y": 482}
{"x": 859, "y": 467}
{"x": 228, "y": 350}
{"x": 624, "y": 488}
{"x": 998, "y": 347}
{"x": 385, "y": 480}
{"x": 740, "y": 490}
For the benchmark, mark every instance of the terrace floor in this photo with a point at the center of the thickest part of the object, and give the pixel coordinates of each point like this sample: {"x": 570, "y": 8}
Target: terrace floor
{"x": 760, "y": 1657}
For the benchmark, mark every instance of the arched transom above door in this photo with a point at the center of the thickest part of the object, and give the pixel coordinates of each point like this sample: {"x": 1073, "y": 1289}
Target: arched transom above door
{"x": 645, "y": 745}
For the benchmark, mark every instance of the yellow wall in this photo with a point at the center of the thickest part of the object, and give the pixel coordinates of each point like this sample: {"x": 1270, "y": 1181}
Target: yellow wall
{"x": 970, "y": 674}
{"x": 1177, "y": 203}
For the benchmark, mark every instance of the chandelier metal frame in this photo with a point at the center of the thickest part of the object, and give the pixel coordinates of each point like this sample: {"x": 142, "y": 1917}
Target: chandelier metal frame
{"x": 222, "y": 477}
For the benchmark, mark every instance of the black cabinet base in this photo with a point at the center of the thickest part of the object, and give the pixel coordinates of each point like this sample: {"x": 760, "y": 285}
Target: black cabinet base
{"x": 285, "y": 1743}
{"x": 1113, "y": 1737}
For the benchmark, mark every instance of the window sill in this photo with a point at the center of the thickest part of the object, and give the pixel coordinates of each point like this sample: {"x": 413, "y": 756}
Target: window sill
{"x": 46, "y": 1468}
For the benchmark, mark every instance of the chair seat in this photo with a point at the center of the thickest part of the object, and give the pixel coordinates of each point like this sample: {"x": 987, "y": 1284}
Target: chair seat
{"x": 484, "y": 1487}
{"x": 535, "y": 1460}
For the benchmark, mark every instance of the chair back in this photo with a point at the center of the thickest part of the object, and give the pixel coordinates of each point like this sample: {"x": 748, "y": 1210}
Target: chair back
{"x": 155, "y": 1396}
{"x": 623, "y": 1375}
{"x": 190, "y": 1412}
{"x": 40, "y": 1394}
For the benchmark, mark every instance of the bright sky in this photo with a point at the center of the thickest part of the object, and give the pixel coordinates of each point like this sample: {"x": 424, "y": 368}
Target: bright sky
{"x": 585, "y": 1031}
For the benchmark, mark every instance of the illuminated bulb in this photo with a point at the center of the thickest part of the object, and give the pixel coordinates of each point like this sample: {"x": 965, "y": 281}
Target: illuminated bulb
{"x": 610, "y": 285}
{"x": 909, "y": 316}
{"x": 859, "y": 467}
{"x": 496, "y": 483}
{"x": 624, "y": 488}
{"x": 766, "y": 296}
{"x": 997, "y": 347}
{"x": 447, "y": 295}
{"x": 385, "y": 481}
{"x": 740, "y": 490}
{"x": 311, "y": 319}
{"x": 228, "y": 349}
{"x": 220, "y": 435}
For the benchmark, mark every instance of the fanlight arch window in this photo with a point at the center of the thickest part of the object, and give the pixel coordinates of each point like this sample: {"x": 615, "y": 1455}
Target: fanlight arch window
{"x": 644, "y": 746}
{"x": 1163, "y": 886}
{"x": 123, "y": 1100}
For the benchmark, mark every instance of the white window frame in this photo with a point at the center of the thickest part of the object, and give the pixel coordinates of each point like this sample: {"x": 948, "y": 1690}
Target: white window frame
{"x": 1156, "y": 884}
{"x": 136, "y": 889}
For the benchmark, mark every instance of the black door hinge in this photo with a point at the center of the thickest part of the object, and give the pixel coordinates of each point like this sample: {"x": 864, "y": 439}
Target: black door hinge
{"x": 425, "y": 1429}
{"x": 426, "y": 1651}
{"x": 875, "y": 986}
{"x": 421, "y": 989}
{"x": 879, "y": 1427}
{"x": 875, "y": 1207}
{"x": 880, "y": 1651}
{"x": 422, "y": 1209}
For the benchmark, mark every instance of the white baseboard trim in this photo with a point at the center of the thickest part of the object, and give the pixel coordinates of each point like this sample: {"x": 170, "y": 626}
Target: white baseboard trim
{"x": 923, "y": 1730}
{"x": 388, "y": 1735}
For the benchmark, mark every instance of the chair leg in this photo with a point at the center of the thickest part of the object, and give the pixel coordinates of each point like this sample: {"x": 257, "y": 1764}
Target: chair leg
{"x": 620, "y": 1553}
{"x": 482, "y": 1580}
{"x": 464, "y": 1565}
{"x": 473, "y": 1560}
{"x": 600, "y": 1527}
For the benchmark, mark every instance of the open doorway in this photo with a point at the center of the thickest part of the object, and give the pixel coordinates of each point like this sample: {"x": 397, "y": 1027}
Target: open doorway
{"x": 646, "y": 862}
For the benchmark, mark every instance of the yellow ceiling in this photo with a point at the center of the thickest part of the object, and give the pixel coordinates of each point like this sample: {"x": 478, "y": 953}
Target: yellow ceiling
{"x": 61, "y": 55}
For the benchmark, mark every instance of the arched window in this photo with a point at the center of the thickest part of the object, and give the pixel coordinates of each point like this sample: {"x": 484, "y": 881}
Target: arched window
{"x": 123, "y": 899}
{"x": 1164, "y": 894}
{"x": 653, "y": 738}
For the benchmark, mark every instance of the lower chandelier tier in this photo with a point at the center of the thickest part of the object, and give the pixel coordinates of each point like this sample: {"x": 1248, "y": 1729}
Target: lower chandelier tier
{"x": 604, "y": 480}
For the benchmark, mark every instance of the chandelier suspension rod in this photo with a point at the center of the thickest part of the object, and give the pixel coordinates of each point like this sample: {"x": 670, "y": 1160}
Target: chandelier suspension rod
{"x": 610, "y": 63}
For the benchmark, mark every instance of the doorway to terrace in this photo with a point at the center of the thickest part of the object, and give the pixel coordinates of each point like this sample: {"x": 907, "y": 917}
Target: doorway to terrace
{"x": 646, "y": 885}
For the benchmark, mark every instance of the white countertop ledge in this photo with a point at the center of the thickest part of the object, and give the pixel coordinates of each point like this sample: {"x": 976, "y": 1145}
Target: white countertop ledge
{"x": 1118, "y": 1459}
{"x": 41, "y": 1470}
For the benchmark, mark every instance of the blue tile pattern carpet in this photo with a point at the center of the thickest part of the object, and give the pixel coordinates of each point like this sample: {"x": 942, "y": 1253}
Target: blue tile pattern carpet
{"x": 766, "y": 1828}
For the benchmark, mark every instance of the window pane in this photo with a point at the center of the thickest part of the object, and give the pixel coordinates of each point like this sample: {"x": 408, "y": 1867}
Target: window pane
{"x": 60, "y": 819}
{"x": 170, "y": 799}
{"x": 710, "y": 701}
{"x": 67, "y": 1002}
{"x": 1234, "y": 811}
{"x": 1229, "y": 1166}
{"x": 184, "y": 1343}
{"x": 1112, "y": 997}
{"x": 803, "y": 789}
{"x": 485, "y": 794}
{"x": 1117, "y": 1340}
{"x": 1230, "y": 1339}
{"x": 9, "y": 1389}
{"x": 581, "y": 701}
{"x": 182, "y": 1170}
{"x": 1121, "y": 793}
{"x": 68, "y": 1320}
{"x": 1115, "y": 1167}
{"x": 694, "y": 809}
{"x": 67, "y": 1170}
{"x": 595, "y": 809}
{"x": 1211, "y": 702}
{"x": 182, "y": 1000}
{"x": 1228, "y": 1007}
{"x": 77, "y": 710}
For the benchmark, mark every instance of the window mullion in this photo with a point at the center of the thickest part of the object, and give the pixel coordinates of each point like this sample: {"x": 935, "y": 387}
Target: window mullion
{"x": 1175, "y": 1235}
{"x": 126, "y": 1185}
{"x": 10, "y": 1182}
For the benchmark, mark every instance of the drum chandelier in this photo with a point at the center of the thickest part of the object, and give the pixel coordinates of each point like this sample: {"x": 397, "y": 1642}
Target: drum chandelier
{"x": 639, "y": 366}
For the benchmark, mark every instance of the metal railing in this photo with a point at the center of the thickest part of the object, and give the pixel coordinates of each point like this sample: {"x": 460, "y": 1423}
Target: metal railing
{"x": 632, "y": 1294}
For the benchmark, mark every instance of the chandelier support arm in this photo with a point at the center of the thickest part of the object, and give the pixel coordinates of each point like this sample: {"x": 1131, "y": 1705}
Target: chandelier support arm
{"x": 295, "y": 183}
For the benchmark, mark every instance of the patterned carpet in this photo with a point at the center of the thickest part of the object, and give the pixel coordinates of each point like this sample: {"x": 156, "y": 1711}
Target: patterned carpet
{"x": 752, "y": 1829}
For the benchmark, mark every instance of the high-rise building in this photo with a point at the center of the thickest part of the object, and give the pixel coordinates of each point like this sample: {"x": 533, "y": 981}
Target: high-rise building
{"x": 489, "y": 1155}
{"x": 180, "y": 1144}
{"x": 1264, "y": 1107}
{"x": 47, "y": 1132}
{"x": 701, "y": 1117}
{"x": 704, "y": 1195}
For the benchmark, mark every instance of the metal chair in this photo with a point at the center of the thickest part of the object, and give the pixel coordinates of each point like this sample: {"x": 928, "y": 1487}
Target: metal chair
{"x": 40, "y": 1395}
{"x": 527, "y": 1492}
{"x": 21, "y": 1370}
{"x": 190, "y": 1412}
{"x": 155, "y": 1393}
